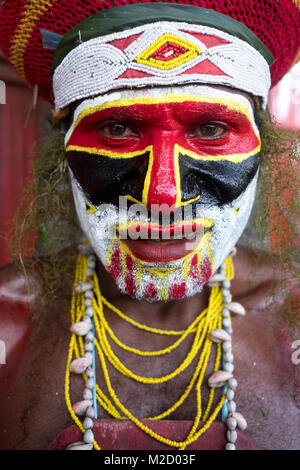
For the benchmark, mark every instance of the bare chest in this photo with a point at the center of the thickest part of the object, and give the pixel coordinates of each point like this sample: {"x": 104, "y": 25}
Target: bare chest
{"x": 36, "y": 404}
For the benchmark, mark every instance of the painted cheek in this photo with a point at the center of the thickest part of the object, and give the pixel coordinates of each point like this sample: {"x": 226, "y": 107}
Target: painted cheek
{"x": 163, "y": 177}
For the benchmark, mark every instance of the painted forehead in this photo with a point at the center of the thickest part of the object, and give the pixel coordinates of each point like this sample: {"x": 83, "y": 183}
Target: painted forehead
{"x": 120, "y": 102}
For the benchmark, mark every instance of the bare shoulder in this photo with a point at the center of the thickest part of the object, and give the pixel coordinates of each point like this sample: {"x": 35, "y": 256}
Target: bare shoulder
{"x": 261, "y": 284}
{"x": 33, "y": 340}
{"x": 267, "y": 350}
{"x": 17, "y": 299}
{"x": 271, "y": 297}
{"x": 26, "y": 306}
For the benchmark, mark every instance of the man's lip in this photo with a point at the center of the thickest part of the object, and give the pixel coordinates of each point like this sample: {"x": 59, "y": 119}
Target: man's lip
{"x": 153, "y": 251}
{"x": 158, "y": 232}
{"x": 159, "y": 251}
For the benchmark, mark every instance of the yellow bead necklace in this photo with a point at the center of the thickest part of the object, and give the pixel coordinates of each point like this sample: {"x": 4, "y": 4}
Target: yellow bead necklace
{"x": 89, "y": 324}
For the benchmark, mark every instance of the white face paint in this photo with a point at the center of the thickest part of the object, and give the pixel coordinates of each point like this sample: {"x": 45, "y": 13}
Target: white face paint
{"x": 156, "y": 279}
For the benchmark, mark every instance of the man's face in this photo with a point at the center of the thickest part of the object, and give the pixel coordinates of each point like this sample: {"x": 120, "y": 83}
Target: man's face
{"x": 163, "y": 182}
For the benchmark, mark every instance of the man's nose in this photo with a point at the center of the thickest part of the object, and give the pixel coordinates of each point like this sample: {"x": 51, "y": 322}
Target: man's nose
{"x": 162, "y": 184}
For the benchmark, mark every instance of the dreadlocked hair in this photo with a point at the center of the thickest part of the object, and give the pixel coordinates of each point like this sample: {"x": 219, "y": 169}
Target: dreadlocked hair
{"x": 275, "y": 216}
{"x": 45, "y": 227}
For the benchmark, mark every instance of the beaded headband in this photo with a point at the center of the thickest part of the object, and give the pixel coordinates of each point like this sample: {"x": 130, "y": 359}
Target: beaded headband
{"x": 32, "y": 29}
{"x": 159, "y": 53}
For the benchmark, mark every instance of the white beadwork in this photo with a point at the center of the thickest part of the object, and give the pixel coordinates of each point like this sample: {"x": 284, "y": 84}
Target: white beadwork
{"x": 94, "y": 67}
{"x": 86, "y": 406}
{"x": 229, "y": 408}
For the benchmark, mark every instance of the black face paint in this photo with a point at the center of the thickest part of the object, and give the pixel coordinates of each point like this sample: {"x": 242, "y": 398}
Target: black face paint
{"x": 217, "y": 182}
{"x": 104, "y": 179}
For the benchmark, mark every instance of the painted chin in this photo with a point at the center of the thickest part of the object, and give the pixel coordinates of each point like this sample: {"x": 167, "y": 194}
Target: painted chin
{"x": 157, "y": 281}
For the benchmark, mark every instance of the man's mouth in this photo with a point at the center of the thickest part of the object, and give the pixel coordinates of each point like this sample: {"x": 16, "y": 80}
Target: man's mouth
{"x": 154, "y": 243}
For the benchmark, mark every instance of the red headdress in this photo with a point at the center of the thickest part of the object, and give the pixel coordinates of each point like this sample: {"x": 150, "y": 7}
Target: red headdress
{"x": 275, "y": 23}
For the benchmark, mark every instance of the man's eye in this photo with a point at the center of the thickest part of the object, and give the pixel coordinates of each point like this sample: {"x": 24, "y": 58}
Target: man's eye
{"x": 209, "y": 130}
{"x": 117, "y": 130}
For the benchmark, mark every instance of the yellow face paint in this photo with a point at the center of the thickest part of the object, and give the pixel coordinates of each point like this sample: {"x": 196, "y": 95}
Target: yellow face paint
{"x": 164, "y": 150}
{"x": 229, "y": 103}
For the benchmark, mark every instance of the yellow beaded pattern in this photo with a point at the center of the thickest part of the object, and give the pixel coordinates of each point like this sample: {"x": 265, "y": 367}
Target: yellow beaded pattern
{"x": 191, "y": 51}
{"x": 31, "y": 13}
{"x": 208, "y": 320}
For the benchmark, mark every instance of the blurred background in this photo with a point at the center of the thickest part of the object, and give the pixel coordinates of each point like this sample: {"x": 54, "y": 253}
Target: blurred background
{"x": 18, "y": 146}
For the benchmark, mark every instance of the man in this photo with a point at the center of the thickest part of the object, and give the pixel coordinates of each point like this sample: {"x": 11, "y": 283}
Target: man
{"x": 162, "y": 107}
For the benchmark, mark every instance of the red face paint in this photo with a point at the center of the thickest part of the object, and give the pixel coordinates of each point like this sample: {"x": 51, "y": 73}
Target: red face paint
{"x": 187, "y": 154}
{"x": 201, "y": 128}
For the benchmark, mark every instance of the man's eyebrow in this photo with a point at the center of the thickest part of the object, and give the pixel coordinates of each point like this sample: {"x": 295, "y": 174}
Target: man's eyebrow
{"x": 122, "y": 113}
{"x": 184, "y": 111}
{"x": 214, "y": 111}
